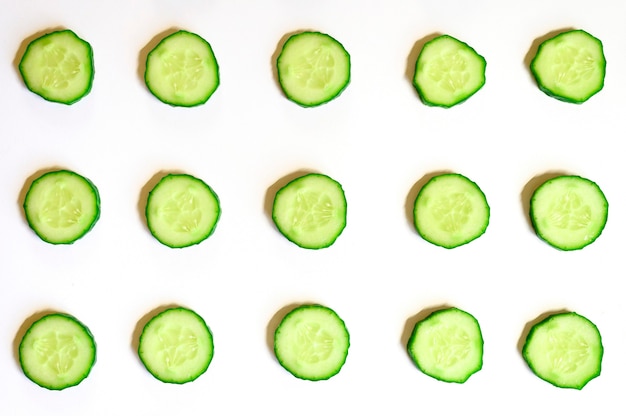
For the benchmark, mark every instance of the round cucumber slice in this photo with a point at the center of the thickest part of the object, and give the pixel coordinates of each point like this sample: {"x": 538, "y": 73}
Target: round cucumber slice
{"x": 57, "y": 351}
{"x": 565, "y": 349}
{"x": 182, "y": 210}
{"x": 310, "y": 211}
{"x": 450, "y": 210}
{"x": 311, "y": 342}
{"x": 569, "y": 212}
{"x": 448, "y": 72}
{"x": 176, "y": 346}
{"x": 570, "y": 66}
{"x": 61, "y": 206}
{"x": 58, "y": 67}
{"x": 313, "y": 68}
{"x": 182, "y": 70}
{"x": 447, "y": 345}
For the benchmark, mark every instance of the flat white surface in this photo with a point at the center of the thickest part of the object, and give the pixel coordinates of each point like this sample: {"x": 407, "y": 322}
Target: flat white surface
{"x": 377, "y": 139}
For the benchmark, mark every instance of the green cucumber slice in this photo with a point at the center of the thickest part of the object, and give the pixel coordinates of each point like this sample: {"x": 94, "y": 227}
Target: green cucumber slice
{"x": 448, "y": 72}
{"x": 310, "y": 211}
{"x": 450, "y": 210}
{"x": 447, "y": 345}
{"x": 57, "y": 351}
{"x": 58, "y": 67}
{"x": 564, "y": 349}
{"x": 182, "y": 70}
{"x": 313, "y": 68}
{"x": 176, "y": 346}
{"x": 61, "y": 206}
{"x": 569, "y": 212}
{"x": 570, "y": 66}
{"x": 311, "y": 342}
{"x": 182, "y": 210}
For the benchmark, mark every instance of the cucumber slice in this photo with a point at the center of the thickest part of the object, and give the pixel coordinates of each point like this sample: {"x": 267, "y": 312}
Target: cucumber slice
{"x": 312, "y": 342}
{"x": 569, "y": 212}
{"x": 176, "y": 346}
{"x": 450, "y": 210}
{"x": 447, "y": 345}
{"x": 448, "y": 72}
{"x": 313, "y": 68}
{"x": 565, "y": 349}
{"x": 310, "y": 211}
{"x": 182, "y": 70}
{"x": 61, "y": 206}
{"x": 58, "y": 67}
{"x": 182, "y": 210}
{"x": 57, "y": 351}
{"x": 570, "y": 66}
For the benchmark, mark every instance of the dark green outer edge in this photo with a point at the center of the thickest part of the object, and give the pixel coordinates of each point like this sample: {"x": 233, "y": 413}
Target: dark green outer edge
{"x": 197, "y": 374}
{"x": 550, "y": 93}
{"x": 538, "y": 326}
{"x": 415, "y": 359}
{"x": 339, "y": 364}
{"x": 93, "y": 222}
{"x": 85, "y": 92}
{"x": 332, "y": 96}
{"x": 172, "y": 103}
{"x": 83, "y": 327}
{"x": 199, "y": 181}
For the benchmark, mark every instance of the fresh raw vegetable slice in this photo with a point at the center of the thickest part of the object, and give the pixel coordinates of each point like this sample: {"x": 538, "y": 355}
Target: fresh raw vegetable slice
{"x": 176, "y": 346}
{"x": 569, "y": 212}
{"x": 182, "y": 70}
{"x": 61, "y": 206}
{"x": 313, "y": 68}
{"x": 565, "y": 349}
{"x": 312, "y": 342}
{"x": 447, "y": 345}
{"x": 450, "y": 210}
{"x": 182, "y": 210}
{"x": 58, "y": 66}
{"x": 310, "y": 211}
{"x": 448, "y": 72}
{"x": 570, "y": 66}
{"x": 57, "y": 351}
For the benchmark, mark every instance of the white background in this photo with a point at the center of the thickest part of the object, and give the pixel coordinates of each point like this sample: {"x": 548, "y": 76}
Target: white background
{"x": 377, "y": 139}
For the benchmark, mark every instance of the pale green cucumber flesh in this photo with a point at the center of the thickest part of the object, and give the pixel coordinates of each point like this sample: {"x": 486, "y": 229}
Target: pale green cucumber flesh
{"x": 61, "y": 206}
{"x": 57, "y": 352}
{"x": 176, "y": 346}
{"x": 58, "y": 67}
{"x": 450, "y": 210}
{"x": 447, "y": 345}
{"x": 448, "y": 72}
{"x": 564, "y": 349}
{"x": 570, "y": 66}
{"x": 181, "y": 70}
{"x": 311, "y": 342}
{"x": 569, "y": 212}
{"x": 310, "y": 211}
{"x": 182, "y": 210}
{"x": 313, "y": 68}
